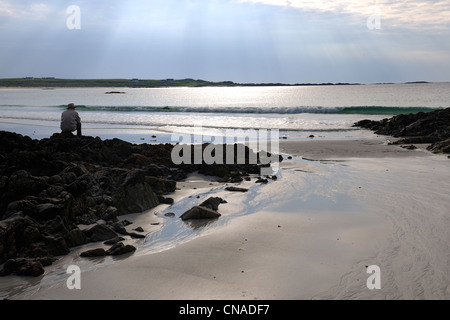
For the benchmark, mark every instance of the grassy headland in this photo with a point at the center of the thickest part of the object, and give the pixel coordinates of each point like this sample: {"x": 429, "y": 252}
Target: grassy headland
{"x": 30, "y": 82}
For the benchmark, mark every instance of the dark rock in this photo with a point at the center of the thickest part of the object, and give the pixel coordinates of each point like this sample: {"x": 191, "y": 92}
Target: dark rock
{"x": 114, "y": 240}
{"x": 56, "y": 246}
{"x": 160, "y": 185}
{"x": 77, "y": 237}
{"x": 169, "y": 214}
{"x": 87, "y": 219}
{"x": 262, "y": 181}
{"x": 33, "y": 268}
{"x": 423, "y": 127}
{"x": 440, "y": 147}
{"x": 135, "y": 194}
{"x": 410, "y": 147}
{"x": 212, "y": 203}
{"x": 165, "y": 200}
{"x": 119, "y": 248}
{"x": 236, "y": 179}
{"x": 136, "y": 235}
{"x": 98, "y": 252}
{"x": 199, "y": 212}
{"x": 236, "y": 189}
{"x": 125, "y": 222}
{"x": 23, "y": 267}
{"x": 100, "y": 232}
{"x": 110, "y": 214}
{"x": 139, "y": 229}
{"x": 120, "y": 228}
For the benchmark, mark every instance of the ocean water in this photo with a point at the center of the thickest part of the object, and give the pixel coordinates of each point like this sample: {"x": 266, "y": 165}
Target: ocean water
{"x": 297, "y": 112}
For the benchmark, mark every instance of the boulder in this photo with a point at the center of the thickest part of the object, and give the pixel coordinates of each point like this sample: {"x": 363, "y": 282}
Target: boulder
{"x": 135, "y": 194}
{"x": 56, "y": 245}
{"x": 161, "y": 185}
{"x": 136, "y": 235}
{"x": 100, "y": 232}
{"x": 440, "y": 147}
{"x": 22, "y": 267}
{"x": 77, "y": 237}
{"x": 98, "y": 252}
{"x": 199, "y": 212}
{"x": 212, "y": 203}
{"x": 119, "y": 248}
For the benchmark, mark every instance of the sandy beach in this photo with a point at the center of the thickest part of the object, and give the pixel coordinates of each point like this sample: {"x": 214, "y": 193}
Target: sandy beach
{"x": 337, "y": 208}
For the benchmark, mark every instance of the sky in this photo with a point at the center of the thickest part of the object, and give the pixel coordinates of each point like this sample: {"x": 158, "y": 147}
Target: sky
{"x": 262, "y": 41}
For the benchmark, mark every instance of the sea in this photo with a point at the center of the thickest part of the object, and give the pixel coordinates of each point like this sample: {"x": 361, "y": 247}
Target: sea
{"x": 159, "y": 115}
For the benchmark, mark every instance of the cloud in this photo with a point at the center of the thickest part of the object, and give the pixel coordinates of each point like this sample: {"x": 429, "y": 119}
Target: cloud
{"x": 33, "y": 11}
{"x": 411, "y": 14}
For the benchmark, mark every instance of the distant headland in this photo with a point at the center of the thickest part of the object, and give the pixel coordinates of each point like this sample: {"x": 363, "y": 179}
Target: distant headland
{"x": 51, "y": 82}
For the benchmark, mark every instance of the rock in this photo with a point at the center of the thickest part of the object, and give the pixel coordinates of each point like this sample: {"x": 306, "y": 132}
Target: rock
{"x": 136, "y": 235}
{"x": 199, "y": 212}
{"x": 100, "y": 232}
{"x": 212, "y": 203}
{"x": 110, "y": 214}
{"x": 125, "y": 222}
{"x": 139, "y": 229}
{"x": 77, "y": 237}
{"x": 119, "y": 248}
{"x": 236, "y": 189}
{"x": 86, "y": 219}
{"x": 160, "y": 185}
{"x": 23, "y": 267}
{"x": 262, "y": 181}
{"x": 169, "y": 214}
{"x": 114, "y": 240}
{"x": 236, "y": 179}
{"x": 120, "y": 228}
{"x": 32, "y": 268}
{"x": 98, "y": 252}
{"x": 423, "y": 127}
{"x": 135, "y": 194}
{"x": 165, "y": 200}
{"x": 440, "y": 147}
{"x": 56, "y": 246}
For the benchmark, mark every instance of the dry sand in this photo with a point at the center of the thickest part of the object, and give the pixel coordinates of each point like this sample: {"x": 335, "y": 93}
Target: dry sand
{"x": 309, "y": 235}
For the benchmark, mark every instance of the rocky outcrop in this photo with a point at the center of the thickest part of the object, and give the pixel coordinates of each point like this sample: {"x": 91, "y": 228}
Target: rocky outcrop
{"x": 424, "y": 127}
{"x": 50, "y": 186}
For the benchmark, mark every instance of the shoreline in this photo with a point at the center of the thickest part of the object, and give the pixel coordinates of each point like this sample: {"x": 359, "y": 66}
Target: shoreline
{"x": 308, "y": 235}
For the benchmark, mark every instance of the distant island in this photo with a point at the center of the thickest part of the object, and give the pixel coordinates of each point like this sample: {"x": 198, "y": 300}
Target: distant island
{"x": 50, "y": 82}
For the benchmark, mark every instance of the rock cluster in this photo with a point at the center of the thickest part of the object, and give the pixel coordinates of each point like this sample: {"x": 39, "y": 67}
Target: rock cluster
{"x": 48, "y": 187}
{"x": 423, "y": 127}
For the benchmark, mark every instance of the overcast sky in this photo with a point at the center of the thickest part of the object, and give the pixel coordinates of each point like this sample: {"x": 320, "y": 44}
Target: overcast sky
{"x": 293, "y": 41}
